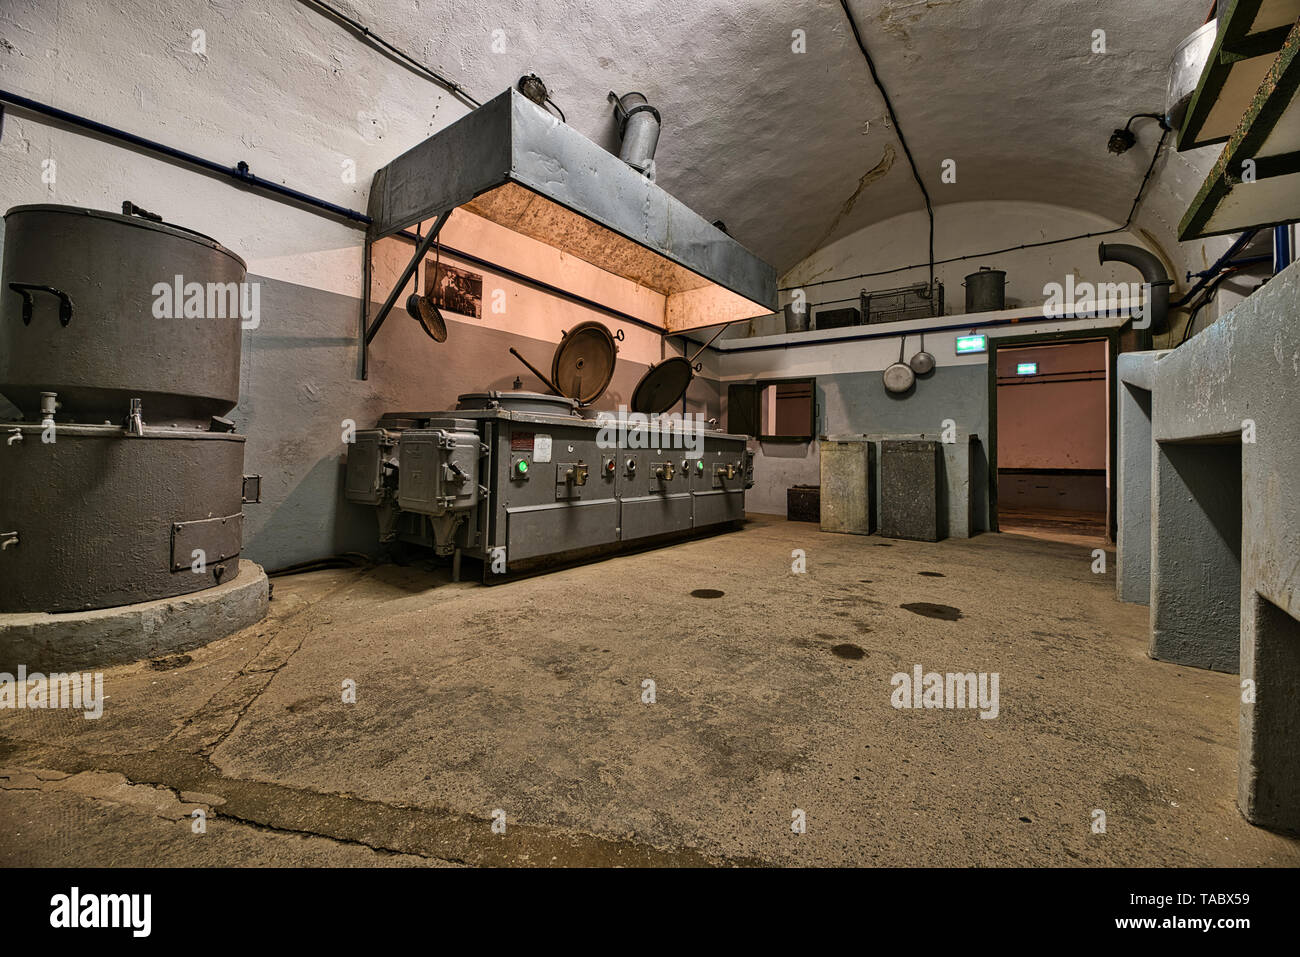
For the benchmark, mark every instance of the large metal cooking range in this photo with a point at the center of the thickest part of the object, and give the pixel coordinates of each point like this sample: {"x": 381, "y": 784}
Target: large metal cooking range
{"x": 520, "y": 479}
{"x": 517, "y": 479}
{"x": 122, "y": 471}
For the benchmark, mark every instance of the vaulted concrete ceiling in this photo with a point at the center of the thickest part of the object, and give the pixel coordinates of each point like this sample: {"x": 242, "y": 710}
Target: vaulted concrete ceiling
{"x": 794, "y": 150}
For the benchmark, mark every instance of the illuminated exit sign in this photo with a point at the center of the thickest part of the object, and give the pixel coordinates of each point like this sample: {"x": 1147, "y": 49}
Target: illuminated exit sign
{"x": 1026, "y": 368}
{"x": 972, "y": 344}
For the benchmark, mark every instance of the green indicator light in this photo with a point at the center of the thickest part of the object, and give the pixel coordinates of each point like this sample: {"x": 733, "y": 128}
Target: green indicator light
{"x": 521, "y": 467}
{"x": 699, "y": 464}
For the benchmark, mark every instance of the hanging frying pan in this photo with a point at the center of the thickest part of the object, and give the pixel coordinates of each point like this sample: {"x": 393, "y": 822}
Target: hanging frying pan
{"x": 583, "y": 363}
{"x": 428, "y": 315}
{"x": 922, "y": 363}
{"x": 899, "y": 377}
{"x": 664, "y": 383}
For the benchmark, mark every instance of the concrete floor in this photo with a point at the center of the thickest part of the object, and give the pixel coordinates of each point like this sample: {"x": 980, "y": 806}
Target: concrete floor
{"x": 526, "y": 697}
{"x": 1055, "y": 525}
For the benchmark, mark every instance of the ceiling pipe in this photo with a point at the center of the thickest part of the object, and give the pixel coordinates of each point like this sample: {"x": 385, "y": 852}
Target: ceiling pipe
{"x": 1153, "y": 271}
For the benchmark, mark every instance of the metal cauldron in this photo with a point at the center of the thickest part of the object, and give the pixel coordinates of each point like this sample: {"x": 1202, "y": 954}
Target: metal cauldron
{"x": 81, "y": 295}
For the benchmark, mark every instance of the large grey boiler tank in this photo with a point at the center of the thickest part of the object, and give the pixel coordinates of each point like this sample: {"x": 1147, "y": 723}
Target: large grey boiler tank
{"x": 95, "y": 519}
{"x": 84, "y": 306}
{"x": 122, "y": 482}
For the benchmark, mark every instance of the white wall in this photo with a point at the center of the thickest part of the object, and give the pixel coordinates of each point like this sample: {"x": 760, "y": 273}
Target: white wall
{"x": 964, "y": 229}
{"x": 306, "y": 104}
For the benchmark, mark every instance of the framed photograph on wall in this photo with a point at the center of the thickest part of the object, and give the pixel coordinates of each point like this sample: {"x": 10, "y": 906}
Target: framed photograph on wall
{"x": 453, "y": 290}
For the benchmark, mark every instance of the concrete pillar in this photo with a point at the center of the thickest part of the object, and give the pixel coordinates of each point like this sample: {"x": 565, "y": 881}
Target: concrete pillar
{"x": 1133, "y": 475}
{"x": 1239, "y": 380}
{"x": 1196, "y": 555}
{"x": 1268, "y": 783}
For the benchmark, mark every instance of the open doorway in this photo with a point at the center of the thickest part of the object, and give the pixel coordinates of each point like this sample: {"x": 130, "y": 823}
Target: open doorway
{"x": 1053, "y": 440}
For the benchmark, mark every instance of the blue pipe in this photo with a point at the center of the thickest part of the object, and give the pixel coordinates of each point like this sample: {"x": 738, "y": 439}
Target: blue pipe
{"x": 240, "y": 172}
{"x": 1281, "y": 248}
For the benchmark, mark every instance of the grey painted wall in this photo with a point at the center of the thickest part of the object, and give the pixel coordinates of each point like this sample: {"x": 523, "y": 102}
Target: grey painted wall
{"x": 856, "y": 402}
{"x": 300, "y": 382}
{"x": 1133, "y": 477}
{"x": 1196, "y": 546}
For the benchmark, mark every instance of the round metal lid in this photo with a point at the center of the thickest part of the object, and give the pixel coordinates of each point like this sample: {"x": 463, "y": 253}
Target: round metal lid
{"x": 517, "y": 401}
{"x": 584, "y": 362}
{"x": 662, "y": 386}
{"x": 180, "y": 232}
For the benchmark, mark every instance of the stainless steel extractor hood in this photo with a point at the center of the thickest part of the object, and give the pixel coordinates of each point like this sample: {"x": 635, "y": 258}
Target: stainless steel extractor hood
{"x": 516, "y": 165}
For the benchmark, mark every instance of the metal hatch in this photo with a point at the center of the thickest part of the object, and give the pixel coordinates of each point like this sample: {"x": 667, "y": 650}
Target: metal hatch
{"x": 516, "y": 165}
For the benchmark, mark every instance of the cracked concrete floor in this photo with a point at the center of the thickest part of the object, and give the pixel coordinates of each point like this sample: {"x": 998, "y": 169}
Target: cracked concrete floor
{"x": 527, "y": 697}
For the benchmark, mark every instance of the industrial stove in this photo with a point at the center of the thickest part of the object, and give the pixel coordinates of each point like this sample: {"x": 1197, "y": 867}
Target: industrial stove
{"x": 520, "y": 479}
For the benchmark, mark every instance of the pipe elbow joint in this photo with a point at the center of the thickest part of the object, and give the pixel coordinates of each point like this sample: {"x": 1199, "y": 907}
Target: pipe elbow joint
{"x": 1153, "y": 272}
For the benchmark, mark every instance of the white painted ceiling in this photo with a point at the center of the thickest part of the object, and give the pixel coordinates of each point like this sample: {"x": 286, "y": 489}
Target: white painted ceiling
{"x": 776, "y": 144}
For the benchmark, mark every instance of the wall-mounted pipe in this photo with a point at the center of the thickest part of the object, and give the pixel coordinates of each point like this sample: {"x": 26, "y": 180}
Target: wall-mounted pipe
{"x": 240, "y": 172}
{"x": 895, "y": 333}
{"x": 1282, "y": 251}
{"x": 1220, "y": 264}
{"x": 1153, "y": 271}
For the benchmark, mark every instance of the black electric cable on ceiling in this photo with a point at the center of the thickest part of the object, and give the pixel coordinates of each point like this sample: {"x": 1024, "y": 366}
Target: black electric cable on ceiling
{"x": 893, "y": 118}
{"x": 1008, "y": 249}
{"x": 379, "y": 42}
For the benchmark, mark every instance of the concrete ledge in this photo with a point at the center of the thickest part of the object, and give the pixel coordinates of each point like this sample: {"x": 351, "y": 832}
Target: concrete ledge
{"x": 105, "y": 636}
{"x": 1139, "y": 368}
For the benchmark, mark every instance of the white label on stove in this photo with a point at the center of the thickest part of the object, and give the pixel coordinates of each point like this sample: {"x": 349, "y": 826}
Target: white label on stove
{"x": 541, "y": 448}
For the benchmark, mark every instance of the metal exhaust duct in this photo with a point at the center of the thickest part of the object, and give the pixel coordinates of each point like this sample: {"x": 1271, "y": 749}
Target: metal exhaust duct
{"x": 513, "y": 164}
{"x": 638, "y": 129}
{"x": 1153, "y": 273}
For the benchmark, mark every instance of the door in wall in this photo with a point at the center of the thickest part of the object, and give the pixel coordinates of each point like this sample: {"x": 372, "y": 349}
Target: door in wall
{"x": 1053, "y": 440}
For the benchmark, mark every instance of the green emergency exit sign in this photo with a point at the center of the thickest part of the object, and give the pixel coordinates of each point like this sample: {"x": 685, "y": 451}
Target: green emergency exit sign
{"x": 971, "y": 344}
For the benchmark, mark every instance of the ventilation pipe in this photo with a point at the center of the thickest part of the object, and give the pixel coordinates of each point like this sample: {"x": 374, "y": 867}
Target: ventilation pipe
{"x": 1153, "y": 271}
{"x": 638, "y": 128}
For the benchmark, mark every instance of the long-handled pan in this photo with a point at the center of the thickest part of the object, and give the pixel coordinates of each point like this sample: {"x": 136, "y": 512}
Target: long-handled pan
{"x": 922, "y": 363}
{"x": 899, "y": 376}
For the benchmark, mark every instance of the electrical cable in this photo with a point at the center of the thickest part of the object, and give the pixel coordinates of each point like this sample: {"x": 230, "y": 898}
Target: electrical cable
{"x": 380, "y": 43}
{"x": 996, "y": 252}
{"x": 1210, "y": 292}
{"x": 893, "y": 118}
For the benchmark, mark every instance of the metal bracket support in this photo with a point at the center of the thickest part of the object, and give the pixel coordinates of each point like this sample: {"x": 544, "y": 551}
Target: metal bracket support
{"x": 420, "y": 250}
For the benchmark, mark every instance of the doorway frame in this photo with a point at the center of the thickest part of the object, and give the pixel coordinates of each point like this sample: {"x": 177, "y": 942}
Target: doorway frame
{"x": 1111, "y": 335}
